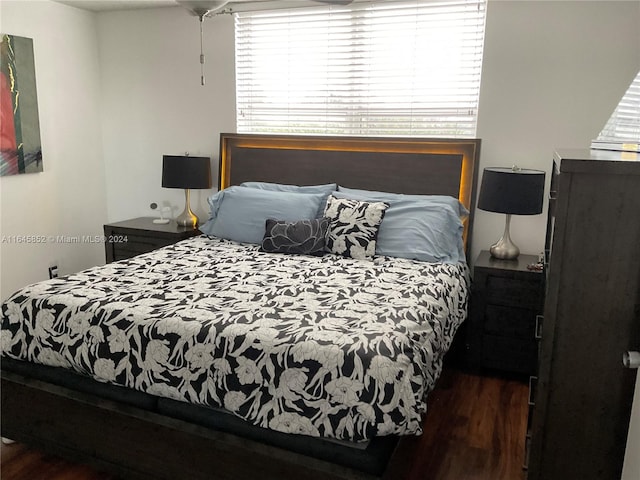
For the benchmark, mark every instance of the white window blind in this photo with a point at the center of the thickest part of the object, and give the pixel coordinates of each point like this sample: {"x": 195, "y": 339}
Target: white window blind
{"x": 622, "y": 131}
{"x": 405, "y": 68}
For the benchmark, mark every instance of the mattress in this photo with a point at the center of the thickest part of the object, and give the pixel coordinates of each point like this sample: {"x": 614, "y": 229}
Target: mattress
{"x": 322, "y": 346}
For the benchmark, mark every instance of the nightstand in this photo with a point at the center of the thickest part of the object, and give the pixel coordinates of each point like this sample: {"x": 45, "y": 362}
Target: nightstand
{"x": 507, "y": 302}
{"x": 140, "y": 235}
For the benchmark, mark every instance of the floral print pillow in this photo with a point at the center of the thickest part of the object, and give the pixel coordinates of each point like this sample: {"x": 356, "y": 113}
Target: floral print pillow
{"x": 353, "y": 226}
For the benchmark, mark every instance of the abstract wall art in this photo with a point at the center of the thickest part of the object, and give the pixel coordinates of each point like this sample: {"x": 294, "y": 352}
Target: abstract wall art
{"x": 20, "y": 147}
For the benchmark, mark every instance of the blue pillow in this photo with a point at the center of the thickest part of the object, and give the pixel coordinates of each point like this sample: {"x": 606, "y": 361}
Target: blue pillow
{"x": 386, "y": 196}
{"x": 240, "y": 213}
{"x": 282, "y": 187}
{"x": 418, "y": 227}
{"x": 326, "y": 190}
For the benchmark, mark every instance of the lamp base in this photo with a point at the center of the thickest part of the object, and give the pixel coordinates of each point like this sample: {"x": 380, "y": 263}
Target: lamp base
{"x": 505, "y": 249}
{"x": 187, "y": 218}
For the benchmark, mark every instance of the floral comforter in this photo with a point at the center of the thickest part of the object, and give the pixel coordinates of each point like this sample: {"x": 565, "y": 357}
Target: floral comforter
{"x": 323, "y": 346}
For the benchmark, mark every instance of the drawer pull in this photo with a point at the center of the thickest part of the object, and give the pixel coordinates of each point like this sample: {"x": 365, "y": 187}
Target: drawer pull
{"x": 527, "y": 451}
{"x": 532, "y": 388}
{"x": 631, "y": 359}
{"x": 538, "y": 330}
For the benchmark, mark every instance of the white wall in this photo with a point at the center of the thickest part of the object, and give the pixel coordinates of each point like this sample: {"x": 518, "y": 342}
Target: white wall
{"x": 153, "y": 103}
{"x": 68, "y": 197}
{"x": 553, "y": 72}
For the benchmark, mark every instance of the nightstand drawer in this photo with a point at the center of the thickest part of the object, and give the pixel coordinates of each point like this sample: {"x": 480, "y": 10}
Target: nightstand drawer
{"x": 509, "y": 354}
{"x": 509, "y": 322}
{"x": 144, "y": 243}
{"x": 122, "y": 254}
{"x": 142, "y": 236}
{"x": 137, "y": 244}
{"x": 503, "y": 290}
{"x": 125, "y": 250}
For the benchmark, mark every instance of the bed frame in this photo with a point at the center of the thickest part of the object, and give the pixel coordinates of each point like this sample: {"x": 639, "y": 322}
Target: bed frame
{"x": 133, "y": 442}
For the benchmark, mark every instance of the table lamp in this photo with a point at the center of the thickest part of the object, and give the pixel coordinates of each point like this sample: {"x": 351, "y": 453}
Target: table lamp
{"x": 514, "y": 191}
{"x": 186, "y": 172}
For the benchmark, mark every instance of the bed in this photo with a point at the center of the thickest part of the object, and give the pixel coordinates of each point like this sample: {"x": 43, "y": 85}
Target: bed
{"x": 291, "y": 352}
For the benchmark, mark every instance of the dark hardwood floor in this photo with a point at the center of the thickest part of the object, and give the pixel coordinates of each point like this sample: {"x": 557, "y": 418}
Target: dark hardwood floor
{"x": 474, "y": 430}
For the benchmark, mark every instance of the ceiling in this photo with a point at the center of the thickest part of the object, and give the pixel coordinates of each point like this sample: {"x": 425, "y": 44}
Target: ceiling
{"x": 106, "y": 5}
{"x": 247, "y": 5}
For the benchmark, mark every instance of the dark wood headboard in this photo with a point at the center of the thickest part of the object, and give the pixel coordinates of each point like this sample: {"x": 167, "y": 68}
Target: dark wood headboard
{"x": 425, "y": 166}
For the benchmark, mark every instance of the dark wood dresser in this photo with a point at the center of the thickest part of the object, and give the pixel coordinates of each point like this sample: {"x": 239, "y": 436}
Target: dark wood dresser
{"x": 580, "y": 418}
{"x": 129, "y": 238}
{"x": 506, "y": 305}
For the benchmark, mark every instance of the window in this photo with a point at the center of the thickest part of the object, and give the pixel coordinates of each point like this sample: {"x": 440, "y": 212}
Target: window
{"x": 622, "y": 131}
{"x": 388, "y": 68}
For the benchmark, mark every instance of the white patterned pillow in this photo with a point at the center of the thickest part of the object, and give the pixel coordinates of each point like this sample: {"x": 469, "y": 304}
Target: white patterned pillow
{"x": 353, "y": 226}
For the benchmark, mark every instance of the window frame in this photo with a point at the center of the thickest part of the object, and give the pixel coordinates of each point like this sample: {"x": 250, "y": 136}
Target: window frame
{"x": 419, "y": 117}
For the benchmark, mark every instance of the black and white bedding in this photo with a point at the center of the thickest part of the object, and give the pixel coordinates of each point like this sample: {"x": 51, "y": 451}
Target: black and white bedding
{"x": 323, "y": 346}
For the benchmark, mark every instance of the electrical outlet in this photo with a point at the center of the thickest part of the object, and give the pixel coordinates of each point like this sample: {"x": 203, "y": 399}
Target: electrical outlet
{"x": 53, "y": 271}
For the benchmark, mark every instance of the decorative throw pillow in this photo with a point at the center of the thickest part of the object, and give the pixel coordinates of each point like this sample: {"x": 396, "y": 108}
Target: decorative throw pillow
{"x": 306, "y": 237}
{"x": 353, "y": 226}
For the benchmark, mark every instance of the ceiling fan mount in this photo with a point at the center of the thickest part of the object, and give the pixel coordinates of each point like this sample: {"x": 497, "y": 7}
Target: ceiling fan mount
{"x": 205, "y": 8}
{"x": 202, "y": 8}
